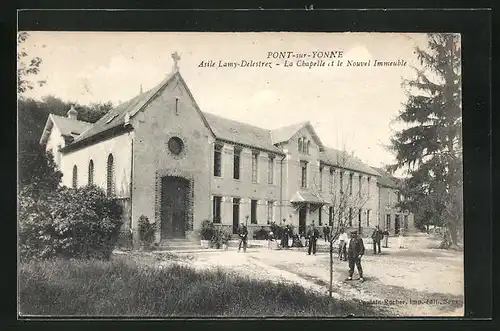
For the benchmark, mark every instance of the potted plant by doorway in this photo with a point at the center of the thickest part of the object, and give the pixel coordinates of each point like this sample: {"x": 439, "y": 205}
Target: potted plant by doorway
{"x": 207, "y": 233}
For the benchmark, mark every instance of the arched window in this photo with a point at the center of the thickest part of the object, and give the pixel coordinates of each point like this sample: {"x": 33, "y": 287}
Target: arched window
{"x": 110, "y": 175}
{"x": 300, "y": 145}
{"x": 308, "y": 146}
{"x": 75, "y": 176}
{"x": 91, "y": 173}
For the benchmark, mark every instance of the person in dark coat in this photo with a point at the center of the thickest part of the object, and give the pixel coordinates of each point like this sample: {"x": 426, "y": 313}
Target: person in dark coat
{"x": 313, "y": 235}
{"x": 355, "y": 250}
{"x": 243, "y": 234}
{"x": 377, "y": 236}
{"x": 326, "y": 233}
{"x": 284, "y": 235}
{"x": 289, "y": 235}
{"x": 386, "y": 238}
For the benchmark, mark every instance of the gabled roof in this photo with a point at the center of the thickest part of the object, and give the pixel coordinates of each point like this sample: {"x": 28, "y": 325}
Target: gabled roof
{"x": 115, "y": 118}
{"x": 67, "y": 127}
{"x": 241, "y": 133}
{"x": 341, "y": 159}
{"x": 386, "y": 179}
{"x": 285, "y": 133}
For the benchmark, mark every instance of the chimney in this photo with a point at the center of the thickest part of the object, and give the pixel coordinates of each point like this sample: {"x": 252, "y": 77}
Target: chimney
{"x": 72, "y": 113}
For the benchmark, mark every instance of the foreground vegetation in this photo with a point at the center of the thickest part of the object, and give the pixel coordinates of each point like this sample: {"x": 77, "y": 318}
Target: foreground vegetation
{"x": 121, "y": 287}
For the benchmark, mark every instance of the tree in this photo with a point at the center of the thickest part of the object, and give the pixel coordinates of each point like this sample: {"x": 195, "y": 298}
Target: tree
{"x": 26, "y": 69}
{"x": 346, "y": 206}
{"x": 429, "y": 147}
{"x": 38, "y": 174}
{"x": 32, "y": 114}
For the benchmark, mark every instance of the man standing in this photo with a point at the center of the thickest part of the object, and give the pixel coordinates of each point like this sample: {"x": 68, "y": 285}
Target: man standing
{"x": 343, "y": 238}
{"x": 355, "y": 251}
{"x": 313, "y": 235}
{"x": 376, "y": 238}
{"x": 386, "y": 238}
{"x": 243, "y": 234}
{"x": 284, "y": 235}
{"x": 326, "y": 233}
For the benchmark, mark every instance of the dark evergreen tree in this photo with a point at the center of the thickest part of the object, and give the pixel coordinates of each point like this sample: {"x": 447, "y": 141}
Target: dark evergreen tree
{"x": 430, "y": 145}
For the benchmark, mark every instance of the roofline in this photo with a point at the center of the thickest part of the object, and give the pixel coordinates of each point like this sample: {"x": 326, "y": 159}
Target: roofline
{"x": 111, "y": 132}
{"x": 344, "y": 168}
{"x": 315, "y": 136}
{"x": 388, "y": 186}
{"x": 196, "y": 104}
{"x": 46, "y": 129}
{"x": 249, "y": 146}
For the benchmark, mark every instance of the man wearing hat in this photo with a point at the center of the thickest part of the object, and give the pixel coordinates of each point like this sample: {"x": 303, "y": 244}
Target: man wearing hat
{"x": 313, "y": 235}
{"x": 243, "y": 234}
{"x": 355, "y": 251}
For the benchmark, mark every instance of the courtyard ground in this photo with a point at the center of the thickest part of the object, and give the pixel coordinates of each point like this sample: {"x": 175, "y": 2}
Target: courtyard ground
{"x": 418, "y": 280}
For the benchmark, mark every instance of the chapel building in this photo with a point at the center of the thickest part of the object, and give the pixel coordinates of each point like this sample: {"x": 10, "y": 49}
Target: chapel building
{"x": 162, "y": 157}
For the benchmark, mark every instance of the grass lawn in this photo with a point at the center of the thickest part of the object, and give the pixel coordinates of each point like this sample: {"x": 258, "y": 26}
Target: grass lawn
{"x": 122, "y": 287}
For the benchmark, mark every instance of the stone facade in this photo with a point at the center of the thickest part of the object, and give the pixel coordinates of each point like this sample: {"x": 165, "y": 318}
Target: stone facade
{"x": 392, "y": 217}
{"x": 142, "y": 156}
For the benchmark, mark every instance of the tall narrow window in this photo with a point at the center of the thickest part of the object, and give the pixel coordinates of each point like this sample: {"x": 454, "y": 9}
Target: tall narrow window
{"x": 300, "y": 145}
{"x": 110, "y": 175}
{"x": 75, "y": 176}
{"x": 255, "y": 167}
{"x": 91, "y": 173}
{"x": 360, "y": 216}
{"x": 350, "y": 183}
{"x": 217, "y": 160}
{"x": 360, "y": 184}
{"x": 308, "y": 146}
{"x": 368, "y": 186}
{"x": 303, "y": 174}
{"x": 236, "y": 163}
{"x": 216, "y": 209}
{"x": 320, "y": 215}
{"x": 330, "y": 216}
{"x": 368, "y": 217}
{"x": 176, "y": 106}
{"x": 253, "y": 211}
{"x": 270, "y": 170}
{"x": 388, "y": 221}
{"x": 270, "y": 205}
{"x": 321, "y": 178}
{"x": 331, "y": 180}
{"x": 341, "y": 182}
{"x": 350, "y": 216}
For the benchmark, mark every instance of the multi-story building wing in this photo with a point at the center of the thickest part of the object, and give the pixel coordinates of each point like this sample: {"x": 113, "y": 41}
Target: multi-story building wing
{"x": 164, "y": 158}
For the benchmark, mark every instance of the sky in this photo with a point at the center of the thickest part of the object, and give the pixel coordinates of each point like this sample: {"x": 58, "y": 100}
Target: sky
{"x": 350, "y": 107}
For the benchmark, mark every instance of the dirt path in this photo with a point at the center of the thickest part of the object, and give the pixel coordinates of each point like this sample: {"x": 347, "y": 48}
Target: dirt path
{"x": 401, "y": 282}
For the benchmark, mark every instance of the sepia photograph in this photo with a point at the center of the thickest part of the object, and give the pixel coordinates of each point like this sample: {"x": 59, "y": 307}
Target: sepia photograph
{"x": 239, "y": 174}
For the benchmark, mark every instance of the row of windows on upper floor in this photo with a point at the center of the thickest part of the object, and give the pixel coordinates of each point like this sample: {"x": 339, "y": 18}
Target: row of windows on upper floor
{"x": 352, "y": 213}
{"x": 110, "y": 190}
{"x": 217, "y": 170}
{"x": 237, "y": 164}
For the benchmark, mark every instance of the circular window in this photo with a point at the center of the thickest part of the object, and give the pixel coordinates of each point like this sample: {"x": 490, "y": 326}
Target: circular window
{"x": 175, "y": 145}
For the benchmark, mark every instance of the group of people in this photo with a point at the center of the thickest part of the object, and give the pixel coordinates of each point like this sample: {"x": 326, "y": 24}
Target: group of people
{"x": 350, "y": 249}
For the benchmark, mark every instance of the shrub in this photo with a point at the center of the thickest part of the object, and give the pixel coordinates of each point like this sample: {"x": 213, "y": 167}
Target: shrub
{"x": 261, "y": 234}
{"x": 81, "y": 223}
{"x": 220, "y": 237}
{"x": 146, "y": 231}
{"x": 207, "y": 230}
